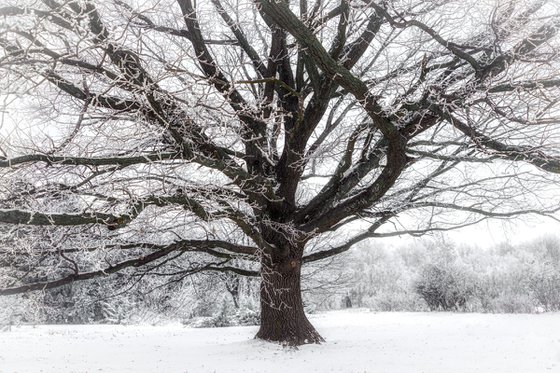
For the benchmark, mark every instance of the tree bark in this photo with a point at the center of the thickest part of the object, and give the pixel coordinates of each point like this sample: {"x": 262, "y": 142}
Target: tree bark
{"x": 282, "y": 315}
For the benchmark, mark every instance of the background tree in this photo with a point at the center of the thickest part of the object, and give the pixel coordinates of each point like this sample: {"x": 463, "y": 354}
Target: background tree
{"x": 247, "y": 136}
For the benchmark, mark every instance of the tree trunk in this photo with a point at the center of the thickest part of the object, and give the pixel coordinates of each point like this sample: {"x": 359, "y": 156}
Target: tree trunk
{"x": 282, "y": 316}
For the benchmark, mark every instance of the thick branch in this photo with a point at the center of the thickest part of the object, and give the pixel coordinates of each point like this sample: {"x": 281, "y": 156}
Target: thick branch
{"x": 160, "y": 252}
{"x": 283, "y": 16}
{"x": 86, "y": 161}
{"x": 509, "y": 152}
{"x": 37, "y": 218}
{"x": 137, "y": 262}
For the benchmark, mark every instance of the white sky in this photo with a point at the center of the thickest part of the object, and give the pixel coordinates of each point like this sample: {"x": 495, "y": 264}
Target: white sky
{"x": 492, "y": 232}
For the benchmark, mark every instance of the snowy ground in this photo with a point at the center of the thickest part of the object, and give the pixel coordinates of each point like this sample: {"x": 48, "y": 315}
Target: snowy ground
{"x": 357, "y": 341}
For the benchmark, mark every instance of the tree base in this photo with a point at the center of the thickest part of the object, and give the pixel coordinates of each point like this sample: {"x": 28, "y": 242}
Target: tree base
{"x": 294, "y": 333}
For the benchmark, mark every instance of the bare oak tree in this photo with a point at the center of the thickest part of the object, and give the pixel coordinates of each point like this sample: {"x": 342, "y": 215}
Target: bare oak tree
{"x": 255, "y": 136}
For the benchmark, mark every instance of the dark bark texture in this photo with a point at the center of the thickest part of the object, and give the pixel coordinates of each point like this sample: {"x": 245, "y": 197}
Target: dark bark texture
{"x": 283, "y": 317}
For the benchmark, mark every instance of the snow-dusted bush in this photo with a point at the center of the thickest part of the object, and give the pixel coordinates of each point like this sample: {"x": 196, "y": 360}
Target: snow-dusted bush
{"x": 14, "y": 310}
{"x": 246, "y": 317}
{"x": 395, "y": 301}
{"x": 382, "y": 278}
{"x": 444, "y": 287}
{"x": 511, "y": 303}
{"x": 544, "y": 284}
{"x": 226, "y": 316}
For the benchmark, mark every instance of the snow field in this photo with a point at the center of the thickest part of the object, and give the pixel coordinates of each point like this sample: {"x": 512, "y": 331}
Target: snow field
{"x": 358, "y": 341}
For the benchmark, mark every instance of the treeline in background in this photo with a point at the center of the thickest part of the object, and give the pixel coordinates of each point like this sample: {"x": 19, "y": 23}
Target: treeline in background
{"x": 426, "y": 275}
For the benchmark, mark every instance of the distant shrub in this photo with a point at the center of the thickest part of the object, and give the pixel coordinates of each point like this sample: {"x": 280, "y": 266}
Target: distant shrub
{"x": 544, "y": 283}
{"x": 511, "y": 303}
{"x": 246, "y": 317}
{"x": 444, "y": 287}
{"x": 395, "y": 301}
{"x": 226, "y": 317}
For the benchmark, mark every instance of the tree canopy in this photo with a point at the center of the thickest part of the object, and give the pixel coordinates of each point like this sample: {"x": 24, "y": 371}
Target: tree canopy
{"x": 254, "y": 136}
